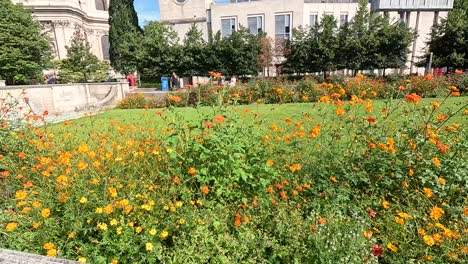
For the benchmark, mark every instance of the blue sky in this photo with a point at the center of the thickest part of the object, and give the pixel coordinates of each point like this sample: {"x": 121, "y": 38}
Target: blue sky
{"x": 147, "y": 10}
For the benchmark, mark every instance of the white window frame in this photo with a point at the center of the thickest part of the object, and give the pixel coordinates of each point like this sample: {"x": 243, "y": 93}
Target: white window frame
{"x": 290, "y": 14}
{"x": 347, "y": 17}
{"x": 262, "y": 26}
{"x": 236, "y": 27}
{"x": 316, "y": 18}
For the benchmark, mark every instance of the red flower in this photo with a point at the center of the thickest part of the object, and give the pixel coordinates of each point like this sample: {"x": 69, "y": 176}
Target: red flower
{"x": 377, "y": 250}
{"x": 370, "y": 119}
{"x": 45, "y": 113}
{"x": 219, "y": 119}
{"x": 372, "y": 213}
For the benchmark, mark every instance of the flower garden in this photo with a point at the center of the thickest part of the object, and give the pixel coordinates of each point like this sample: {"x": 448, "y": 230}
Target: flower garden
{"x": 352, "y": 172}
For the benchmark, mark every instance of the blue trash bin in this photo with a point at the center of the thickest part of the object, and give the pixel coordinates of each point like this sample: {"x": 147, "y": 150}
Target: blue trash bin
{"x": 165, "y": 83}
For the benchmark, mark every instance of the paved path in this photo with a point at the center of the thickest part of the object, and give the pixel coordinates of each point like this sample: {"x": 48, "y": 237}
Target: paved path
{"x": 15, "y": 257}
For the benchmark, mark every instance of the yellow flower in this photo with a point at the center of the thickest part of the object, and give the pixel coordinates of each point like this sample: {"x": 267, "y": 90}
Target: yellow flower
{"x": 164, "y": 234}
{"x": 113, "y": 222}
{"x": 108, "y": 209}
{"x": 179, "y": 204}
{"x": 11, "y": 226}
{"x": 114, "y": 261}
{"x": 436, "y": 212}
{"x": 367, "y": 234}
{"x": 119, "y": 230}
{"x": 98, "y": 210}
{"x": 404, "y": 215}
{"x": 441, "y": 180}
{"x": 21, "y": 194}
{"x": 83, "y": 200}
{"x": 45, "y": 212}
{"x": 385, "y": 204}
{"x": 149, "y": 246}
{"x": 428, "y": 258}
{"x": 438, "y": 238}
{"x": 182, "y": 221}
{"x": 36, "y": 225}
{"x": 138, "y": 229}
{"x": 399, "y": 220}
{"x": 48, "y": 246}
{"x": 82, "y": 260}
{"x": 71, "y": 235}
{"x": 102, "y": 226}
{"x": 428, "y": 240}
{"x": 169, "y": 150}
{"x": 421, "y": 231}
{"x": 392, "y": 247}
{"x": 153, "y": 232}
{"x": 427, "y": 192}
{"x": 52, "y": 252}
{"x": 36, "y": 204}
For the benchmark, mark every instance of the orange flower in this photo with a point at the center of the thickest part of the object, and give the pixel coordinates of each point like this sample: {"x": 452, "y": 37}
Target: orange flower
{"x": 385, "y": 204}
{"x": 208, "y": 124}
{"x": 413, "y": 98}
{"x": 436, "y": 212}
{"x": 204, "y": 189}
{"x": 322, "y": 220}
{"x": 367, "y": 234}
{"x": 428, "y": 192}
{"x": 295, "y": 167}
{"x": 399, "y": 220}
{"x": 11, "y": 226}
{"x": 45, "y": 212}
{"x": 340, "y": 111}
{"x": 436, "y": 161}
{"x": 176, "y": 180}
{"x": 333, "y": 179}
{"x": 21, "y": 194}
{"x": 458, "y": 71}
{"x": 21, "y": 155}
{"x": 192, "y": 171}
{"x": 270, "y": 163}
{"x": 174, "y": 98}
{"x": 270, "y": 189}
{"x": 441, "y": 180}
{"x": 392, "y": 247}
{"x": 441, "y": 117}
{"x": 369, "y": 107}
{"x": 428, "y": 240}
{"x": 219, "y": 118}
{"x": 443, "y": 148}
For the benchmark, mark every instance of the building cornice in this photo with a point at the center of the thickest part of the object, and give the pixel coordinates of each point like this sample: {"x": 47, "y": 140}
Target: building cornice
{"x": 42, "y": 10}
{"x": 185, "y": 20}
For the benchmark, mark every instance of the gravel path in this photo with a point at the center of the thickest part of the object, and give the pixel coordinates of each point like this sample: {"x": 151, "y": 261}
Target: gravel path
{"x": 15, "y": 257}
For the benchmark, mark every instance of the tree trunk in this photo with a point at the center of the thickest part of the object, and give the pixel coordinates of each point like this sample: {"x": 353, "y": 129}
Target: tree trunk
{"x": 383, "y": 72}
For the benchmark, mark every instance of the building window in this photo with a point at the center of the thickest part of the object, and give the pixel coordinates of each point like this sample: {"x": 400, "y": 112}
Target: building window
{"x": 283, "y": 27}
{"x": 105, "y": 47}
{"x": 343, "y": 19}
{"x": 228, "y": 26}
{"x": 255, "y": 24}
{"x": 313, "y": 20}
{"x": 101, "y": 5}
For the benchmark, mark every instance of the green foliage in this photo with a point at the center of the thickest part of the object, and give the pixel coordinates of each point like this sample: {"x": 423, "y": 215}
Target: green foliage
{"x": 24, "y": 50}
{"x": 192, "y": 58}
{"x": 449, "y": 39}
{"x": 124, "y": 36}
{"x": 161, "y": 51}
{"x": 81, "y": 65}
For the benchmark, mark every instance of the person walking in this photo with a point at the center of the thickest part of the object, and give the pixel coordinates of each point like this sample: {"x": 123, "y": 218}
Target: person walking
{"x": 175, "y": 81}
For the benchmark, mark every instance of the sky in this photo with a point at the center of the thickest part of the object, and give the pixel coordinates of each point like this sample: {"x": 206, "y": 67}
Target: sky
{"x": 147, "y": 10}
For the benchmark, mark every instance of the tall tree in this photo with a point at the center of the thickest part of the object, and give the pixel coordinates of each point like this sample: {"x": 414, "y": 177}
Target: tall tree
{"x": 124, "y": 36}
{"x": 241, "y": 51}
{"x": 23, "y": 49}
{"x": 298, "y": 52}
{"x": 449, "y": 39}
{"x": 81, "y": 65}
{"x": 354, "y": 40}
{"x": 192, "y": 60}
{"x": 161, "y": 51}
{"x": 324, "y": 46}
{"x": 265, "y": 53}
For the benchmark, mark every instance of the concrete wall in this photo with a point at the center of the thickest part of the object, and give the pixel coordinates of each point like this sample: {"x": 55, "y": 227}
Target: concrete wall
{"x": 64, "y": 98}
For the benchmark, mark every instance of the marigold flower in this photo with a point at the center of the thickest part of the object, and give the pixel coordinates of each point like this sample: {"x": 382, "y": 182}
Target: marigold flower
{"x": 399, "y": 220}
{"x": 392, "y": 247}
{"x": 428, "y": 192}
{"x": 438, "y": 238}
{"x": 413, "y": 98}
{"x": 436, "y": 213}
{"x": 192, "y": 171}
{"x": 340, "y": 111}
{"x": 83, "y": 200}
{"x": 52, "y": 252}
{"x": 369, "y": 106}
{"x": 164, "y": 234}
{"x": 333, "y": 179}
{"x": 270, "y": 163}
{"x": 21, "y": 194}
{"x": 367, "y": 234}
{"x": 370, "y": 119}
{"x": 322, "y": 220}
{"x": 295, "y": 167}
{"x": 11, "y": 226}
{"x": 48, "y": 246}
{"x": 205, "y": 190}
{"x": 404, "y": 215}
{"x": 102, "y": 226}
{"x": 82, "y": 259}
{"x": 385, "y": 204}
{"x": 174, "y": 98}
{"x": 22, "y": 155}
{"x": 219, "y": 119}
{"x": 428, "y": 240}
{"x": 443, "y": 148}
{"x": 108, "y": 209}
{"x": 149, "y": 246}
{"x": 428, "y": 258}
{"x": 441, "y": 180}
{"x": 421, "y": 231}
{"x": 45, "y": 212}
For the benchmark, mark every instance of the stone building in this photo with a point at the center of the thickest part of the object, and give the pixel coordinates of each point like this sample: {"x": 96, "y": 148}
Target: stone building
{"x": 61, "y": 18}
{"x": 278, "y": 17}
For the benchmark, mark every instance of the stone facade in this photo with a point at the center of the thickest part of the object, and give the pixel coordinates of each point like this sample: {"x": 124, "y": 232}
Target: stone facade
{"x": 61, "y": 18}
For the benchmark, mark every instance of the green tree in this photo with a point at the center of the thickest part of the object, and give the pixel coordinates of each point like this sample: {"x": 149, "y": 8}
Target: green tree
{"x": 23, "y": 49}
{"x": 298, "y": 52}
{"x": 354, "y": 39}
{"x": 449, "y": 39}
{"x": 240, "y": 54}
{"x": 161, "y": 51}
{"x": 192, "y": 60}
{"x": 323, "y": 46}
{"x": 124, "y": 36}
{"x": 81, "y": 65}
